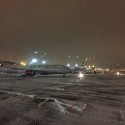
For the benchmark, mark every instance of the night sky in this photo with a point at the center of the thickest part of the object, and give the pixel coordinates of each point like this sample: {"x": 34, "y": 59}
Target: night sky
{"x": 87, "y": 28}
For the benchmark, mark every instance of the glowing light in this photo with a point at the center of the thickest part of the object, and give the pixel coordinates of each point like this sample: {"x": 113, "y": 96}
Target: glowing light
{"x": 44, "y": 62}
{"x": 34, "y": 61}
{"x": 35, "y": 52}
{"x": 23, "y": 63}
{"x": 68, "y": 65}
{"x": 107, "y": 70}
{"x": 80, "y": 75}
{"x": 76, "y": 65}
{"x": 117, "y": 73}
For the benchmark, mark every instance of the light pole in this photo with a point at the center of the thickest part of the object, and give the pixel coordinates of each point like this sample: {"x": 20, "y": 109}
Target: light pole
{"x": 69, "y": 61}
{"x": 76, "y": 65}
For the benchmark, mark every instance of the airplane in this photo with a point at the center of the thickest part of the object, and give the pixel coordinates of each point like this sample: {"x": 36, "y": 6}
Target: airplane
{"x": 87, "y": 70}
{"x": 84, "y": 63}
{"x": 32, "y": 70}
{"x": 10, "y": 67}
{"x": 53, "y": 69}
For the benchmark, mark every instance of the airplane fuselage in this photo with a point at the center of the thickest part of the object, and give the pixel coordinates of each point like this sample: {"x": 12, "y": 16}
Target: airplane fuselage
{"x": 47, "y": 69}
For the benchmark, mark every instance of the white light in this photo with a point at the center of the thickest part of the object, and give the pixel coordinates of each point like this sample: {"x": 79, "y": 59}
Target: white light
{"x": 68, "y": 65}
{"x": 76, "y": 65}
{"x": 107, "y": 70}
{"x": 33, "y": 61}
{"x": 44, "y": 62}
{"x": 35, "y": 52}
{"x": 80, "y": 75}
{"x": 117, "y": 73}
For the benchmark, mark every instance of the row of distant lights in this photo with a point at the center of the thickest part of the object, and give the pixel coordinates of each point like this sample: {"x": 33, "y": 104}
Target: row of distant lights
{"x": 76, "y": 65}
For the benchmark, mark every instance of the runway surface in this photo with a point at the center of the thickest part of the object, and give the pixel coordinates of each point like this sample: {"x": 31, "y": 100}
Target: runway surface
{"x": 54, "y": 100}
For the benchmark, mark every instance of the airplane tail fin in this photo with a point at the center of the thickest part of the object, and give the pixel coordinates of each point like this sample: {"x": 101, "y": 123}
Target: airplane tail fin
{"x": 84, "y": 63}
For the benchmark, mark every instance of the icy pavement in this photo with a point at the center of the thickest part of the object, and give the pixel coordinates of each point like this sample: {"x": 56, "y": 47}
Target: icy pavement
{"x": 53, "y": 100}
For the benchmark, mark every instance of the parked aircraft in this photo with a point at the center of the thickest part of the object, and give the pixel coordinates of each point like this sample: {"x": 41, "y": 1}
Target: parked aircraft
{"x": 47, "y": 69}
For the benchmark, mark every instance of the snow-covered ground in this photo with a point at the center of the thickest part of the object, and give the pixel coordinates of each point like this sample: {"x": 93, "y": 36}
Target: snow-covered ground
{"x": 54, "y": 100}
